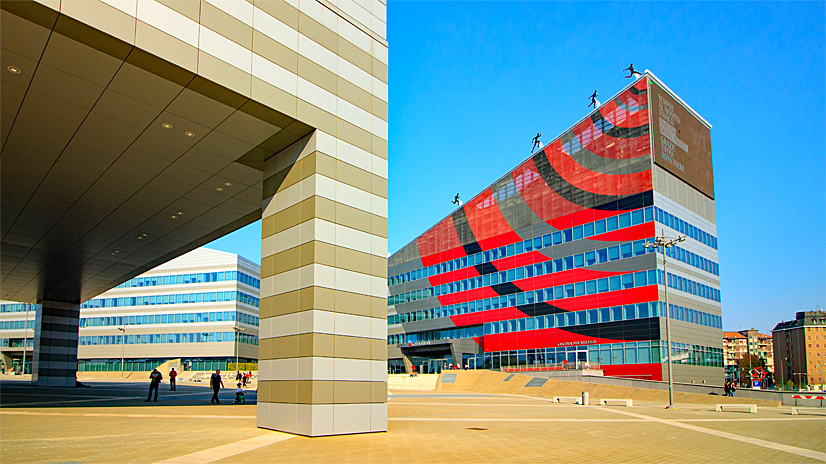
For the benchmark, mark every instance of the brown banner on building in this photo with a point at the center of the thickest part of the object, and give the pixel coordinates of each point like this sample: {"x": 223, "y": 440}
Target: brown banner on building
{"x": 682, "y": 143}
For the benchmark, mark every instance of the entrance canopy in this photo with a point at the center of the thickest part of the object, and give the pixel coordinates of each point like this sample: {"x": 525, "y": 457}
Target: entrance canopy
{"x": 115, "y": 160}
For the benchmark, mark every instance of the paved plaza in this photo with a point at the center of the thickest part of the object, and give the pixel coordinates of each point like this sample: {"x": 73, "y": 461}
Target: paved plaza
{"x": 109, "y": 422}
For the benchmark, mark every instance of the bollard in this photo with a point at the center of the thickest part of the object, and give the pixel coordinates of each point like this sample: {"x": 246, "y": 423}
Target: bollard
{"x": 586, "y": 399}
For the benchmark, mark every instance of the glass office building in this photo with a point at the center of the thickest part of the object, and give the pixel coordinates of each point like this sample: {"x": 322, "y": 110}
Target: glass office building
{"x": 187, "y": 308}
{"x": 547, "y": 268}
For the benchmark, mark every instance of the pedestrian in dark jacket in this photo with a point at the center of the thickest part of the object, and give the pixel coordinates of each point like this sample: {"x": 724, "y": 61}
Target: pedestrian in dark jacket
{"x": 154, "y": 381}
{"x": 216, "y": 384}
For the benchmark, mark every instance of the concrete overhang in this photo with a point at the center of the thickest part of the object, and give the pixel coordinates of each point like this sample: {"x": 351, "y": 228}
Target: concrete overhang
{"x": 114, "y": 160}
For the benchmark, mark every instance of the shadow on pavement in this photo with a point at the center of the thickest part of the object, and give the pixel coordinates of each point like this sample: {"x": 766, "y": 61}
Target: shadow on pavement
{"x": 21, "y": 394}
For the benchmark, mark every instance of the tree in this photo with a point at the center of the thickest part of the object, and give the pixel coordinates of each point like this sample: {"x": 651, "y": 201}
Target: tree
{"x": 746, "y": 364}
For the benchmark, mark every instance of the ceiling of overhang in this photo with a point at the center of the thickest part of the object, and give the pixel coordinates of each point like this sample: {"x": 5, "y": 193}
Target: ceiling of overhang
{"x": 114, "y": 161}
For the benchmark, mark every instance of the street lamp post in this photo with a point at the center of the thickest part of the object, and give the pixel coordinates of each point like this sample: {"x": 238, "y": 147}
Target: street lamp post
{"x": 664, "y": 242}
{"x": 238, "y": 331}
{"x": 122, "y": 349}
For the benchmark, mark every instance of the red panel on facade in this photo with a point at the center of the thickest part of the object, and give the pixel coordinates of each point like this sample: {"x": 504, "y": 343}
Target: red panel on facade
{"x": 594, "y": 140}
{"x": 635, "y": 371}
{"x": 632, "y": 114}
{"x": 615, "y": 298}
{"x": 595, "y": 182}
{"x": 440, "y": 243}
{"x": 489, "y": 227}
{"x": 502, "y": 314}
{"x": 452, "y": 276}
{"x": 467, "y": 295}
{"x": 543, "y": 338}
{"x": 637, "y": 232}
{"x": 564, "y": 278}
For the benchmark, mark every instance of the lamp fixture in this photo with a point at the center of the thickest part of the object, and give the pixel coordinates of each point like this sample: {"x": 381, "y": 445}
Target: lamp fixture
{"x": 219, "y": 189}
{"x": 13, "y": 69}
{"x": 228, "y": 184}
{"x": 166, "y": 125}
{"x": 174, "y": 217}
{"x": 189, "y": 134}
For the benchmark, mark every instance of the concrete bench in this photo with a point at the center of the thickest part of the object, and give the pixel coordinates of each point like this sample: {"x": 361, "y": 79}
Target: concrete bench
{"x": 751, "y": 407}
{"x": 626, "y": 402}
{"x": 796, "y": 410}
{"x": 565, "y": 399}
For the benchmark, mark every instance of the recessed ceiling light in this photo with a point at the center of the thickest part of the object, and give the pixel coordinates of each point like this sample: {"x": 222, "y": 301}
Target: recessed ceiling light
{"x": 228, "y": 184}
{"x": 166, "y": 125}
{"x": 174, "y": 217}
{"x": 180, "y": 213}
{"x": 140, "y": 238}
{"x": 189, "y": 134}
{"x": 13, "y": 69}
{"x": 144, "y": 235}
{"x": 219, "y": 189}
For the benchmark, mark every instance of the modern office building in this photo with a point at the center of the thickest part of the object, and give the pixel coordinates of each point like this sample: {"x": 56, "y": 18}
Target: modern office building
{"x": 737, "y": 344}
{"x": 800, "y": 349}
{"x": 135, "y": 131}
{"x": 17, "y": 335}
{"x": 189, "y": 308}
{"x": 548, "y": 264}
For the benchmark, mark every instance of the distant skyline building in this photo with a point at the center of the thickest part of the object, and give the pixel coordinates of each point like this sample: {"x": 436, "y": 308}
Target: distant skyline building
{"x": 546, "y": 267}
{"x": 800, "y": 349}
{"x": 737, "y": 344}
{"x": 187, "y": 308}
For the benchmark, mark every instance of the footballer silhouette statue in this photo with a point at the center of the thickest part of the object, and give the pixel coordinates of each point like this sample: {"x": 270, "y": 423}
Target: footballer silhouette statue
{"x": 633, "y": 72}
{"x": 536, "y": 142}
{"x": 594, "y": 101}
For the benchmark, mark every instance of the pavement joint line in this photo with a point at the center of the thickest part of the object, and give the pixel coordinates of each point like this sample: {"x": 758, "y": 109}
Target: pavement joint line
{"x": 107, "y": 398}
{"x": 821, "y": 456}
{"x": 228, "y": 450}
{"x": 175, "y": 416}
{"x": 489, "y": 419}
{"x": 98, "y": 437}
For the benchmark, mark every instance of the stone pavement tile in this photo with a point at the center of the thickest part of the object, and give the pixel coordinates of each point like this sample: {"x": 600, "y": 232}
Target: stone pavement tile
{"x": 513, "y": 442}
{"x": 74, "y": 438}
{"x": 808, "y": 433}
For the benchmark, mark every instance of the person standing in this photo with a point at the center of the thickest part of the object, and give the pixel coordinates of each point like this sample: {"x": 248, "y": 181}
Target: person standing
{"x": 154, "y": 381}
{"x": 4, "y": 368}
{"x": 216, "y": 384}
{"x": 172, "y": 376}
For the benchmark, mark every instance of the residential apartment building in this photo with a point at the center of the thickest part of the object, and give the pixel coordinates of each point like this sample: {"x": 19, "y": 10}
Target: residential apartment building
{"x": 548, "y": 265}
{"x": 737, "y": 344}
{"x": 201, "y": 307}
{"x": 800, "y": 349}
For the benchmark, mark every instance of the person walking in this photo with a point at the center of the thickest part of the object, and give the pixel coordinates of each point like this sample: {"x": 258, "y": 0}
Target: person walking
{"x": 172, "y": 376}
{"x": 154, "y": 381}
{"x": 244, "y": 378}
{"x": 216, "y": 384}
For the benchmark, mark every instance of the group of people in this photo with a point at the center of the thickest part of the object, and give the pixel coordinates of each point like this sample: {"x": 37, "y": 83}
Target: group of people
{"x": 729, "y": 388}
{"x": 216, "y": 383}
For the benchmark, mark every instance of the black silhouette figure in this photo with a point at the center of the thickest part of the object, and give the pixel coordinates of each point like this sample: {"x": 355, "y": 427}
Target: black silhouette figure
{"x": 536, "y": 141}
{"x": 593, "y": 98}
{"x": 456, "y": 199}
{"x": 631, "y": 70}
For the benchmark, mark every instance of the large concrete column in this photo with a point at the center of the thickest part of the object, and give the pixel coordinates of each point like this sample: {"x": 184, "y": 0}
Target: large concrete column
{"x": 323, "y": 332}
{"x": 56, "y": 328}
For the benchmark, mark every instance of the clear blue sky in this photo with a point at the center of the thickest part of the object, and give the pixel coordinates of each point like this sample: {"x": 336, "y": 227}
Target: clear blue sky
{"x": 471, "y": 83}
